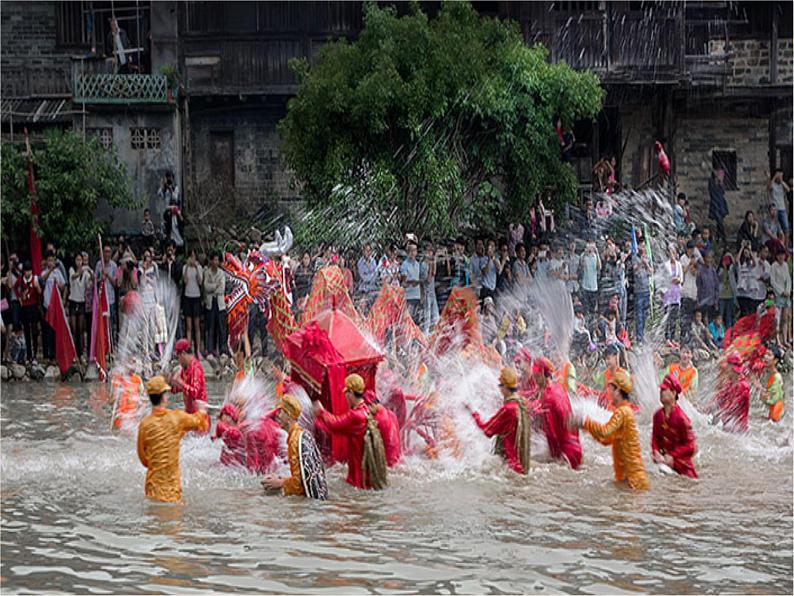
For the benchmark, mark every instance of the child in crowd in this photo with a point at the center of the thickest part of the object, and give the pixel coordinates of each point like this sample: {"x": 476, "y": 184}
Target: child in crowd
{"x": 16, "y": 346}
{"x": 717, "y": 329}
{"x": 580, "y": 328}
{"x": 701, "y": 337}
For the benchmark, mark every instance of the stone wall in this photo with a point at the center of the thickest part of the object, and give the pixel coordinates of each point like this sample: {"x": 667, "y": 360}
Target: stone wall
{"x": 30, "y": 60}
{"x": 145, "y": 166}
{"x": 698, "y": 135}
{"x": 749, "y": 62}
{"x": 259, "y": 172}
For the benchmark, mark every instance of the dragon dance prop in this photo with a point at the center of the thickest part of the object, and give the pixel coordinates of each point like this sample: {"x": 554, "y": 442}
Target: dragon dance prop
{"x": 257, "y": 280}
{"x": 458, "y": 329}
{"x": 329, "y": 291}
{"x": 390, "y": 312}
{"x": 747, "y": 337}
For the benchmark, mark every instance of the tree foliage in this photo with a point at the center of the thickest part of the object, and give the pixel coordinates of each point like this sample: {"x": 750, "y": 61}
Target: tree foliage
{"x": 71, "y": 176}
{"x": 427, "y": 125}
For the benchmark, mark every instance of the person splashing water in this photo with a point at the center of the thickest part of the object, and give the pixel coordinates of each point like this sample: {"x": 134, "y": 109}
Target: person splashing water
{"x": 159, "y": 436}
{"x": 510, "y": 424}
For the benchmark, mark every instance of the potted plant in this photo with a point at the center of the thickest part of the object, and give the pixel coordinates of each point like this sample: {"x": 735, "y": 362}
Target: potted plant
{"x": 171, "y": 75}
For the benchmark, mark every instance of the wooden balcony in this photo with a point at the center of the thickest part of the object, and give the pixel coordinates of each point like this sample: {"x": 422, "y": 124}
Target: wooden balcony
{"x": 20, "y": 81}
{"x": 621, "y": 46}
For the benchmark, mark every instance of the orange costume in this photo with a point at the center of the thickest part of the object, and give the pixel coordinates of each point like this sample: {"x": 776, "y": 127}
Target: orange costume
{"x": 293, "y": 485}
{"x": 687, "y": 378}
{"x": 603, "y": 380}
{"x": 621, "y": 433}
{"x": 159, "y": 435}
{"x": 566, "y": 378}
{"x": 127, "y": 390}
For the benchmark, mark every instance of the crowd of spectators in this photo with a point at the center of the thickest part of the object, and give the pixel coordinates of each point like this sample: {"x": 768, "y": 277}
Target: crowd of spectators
{"x": 700, "y": 285}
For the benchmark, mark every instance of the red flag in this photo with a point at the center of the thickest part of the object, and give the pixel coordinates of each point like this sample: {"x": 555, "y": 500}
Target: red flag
{"x": 64, "y": 344}
{"x": 35, "y": 241}
{"x": 100, "y": 340}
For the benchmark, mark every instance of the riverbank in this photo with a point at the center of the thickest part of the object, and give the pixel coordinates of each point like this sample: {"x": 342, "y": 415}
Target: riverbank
{"x": 221, "y": 369}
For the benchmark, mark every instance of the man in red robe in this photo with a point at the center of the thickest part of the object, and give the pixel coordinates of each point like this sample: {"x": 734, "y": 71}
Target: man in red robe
{"x": 388, "y": 426}
{"x": 190, "y": 381}
{"x": 353, "y": 425}
{"x": 510, "y": 424}
{"x": 556, "y": 407}
{"x": 733, "y": 396}
{"x": 262, "y": 446}
{"x": 672, "y": 439}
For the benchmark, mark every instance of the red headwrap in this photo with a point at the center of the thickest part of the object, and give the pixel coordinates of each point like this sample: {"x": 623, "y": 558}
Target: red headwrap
{"x": 671, "y": 383}
{"x": 181, "y": 345}
{"x": 231, "y": 411}
{"x": 542, "y": 366}
{"x": 735, "y": 360}
{"x": 523, "y": 355}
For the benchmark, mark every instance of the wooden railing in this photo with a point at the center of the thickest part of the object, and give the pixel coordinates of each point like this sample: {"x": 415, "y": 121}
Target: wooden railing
{"x": 42, "y": 81}
{"x": 121, "y": 89}
{"x": 613, "y": 43}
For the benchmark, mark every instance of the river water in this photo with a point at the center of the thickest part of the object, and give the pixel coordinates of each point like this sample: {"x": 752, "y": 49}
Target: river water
{"x": 74, "y": 519}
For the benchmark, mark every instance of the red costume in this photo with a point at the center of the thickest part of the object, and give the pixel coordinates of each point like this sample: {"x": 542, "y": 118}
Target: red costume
{"x": 664, "y": 161}
{"x": 192, "y": 387}
{"x": 353, "y": 425}
{"x": 261, "y": 444}
{"x": 733, "y": 405}
{"x": 233, "y": 451}
{"x": 505, "y": 424}
{"x": 563, "y": 443}
{"x": 390, "y": 432}
{"x": 673, "y": 436}
{"x": 388, "y": 426}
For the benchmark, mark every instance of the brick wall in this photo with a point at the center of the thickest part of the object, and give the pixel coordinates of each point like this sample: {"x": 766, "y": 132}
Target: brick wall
{"x": 698, "y": 136}
{"x": 749, "y": 62}
{"x": 259, "y": 172}
{"x": 31, "y": 61}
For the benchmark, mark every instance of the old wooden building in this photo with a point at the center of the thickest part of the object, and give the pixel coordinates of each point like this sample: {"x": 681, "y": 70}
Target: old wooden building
{"x": 712, "y": 80}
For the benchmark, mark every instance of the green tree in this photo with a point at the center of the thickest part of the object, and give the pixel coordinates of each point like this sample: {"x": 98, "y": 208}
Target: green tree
{"x": 71, "y": 177}
{"x": 428, "y": 125}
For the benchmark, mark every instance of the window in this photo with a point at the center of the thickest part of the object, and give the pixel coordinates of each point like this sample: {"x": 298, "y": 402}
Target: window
{"x": 145, "y": 138}
{"x": 105, "y": 136}
{"x": 69, "y": 30}
{"x": 575, "y": 6}
{"x": 726, "y": 160}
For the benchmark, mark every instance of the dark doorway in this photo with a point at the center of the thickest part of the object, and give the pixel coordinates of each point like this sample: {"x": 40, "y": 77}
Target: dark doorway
{"x": 222, "y": 156}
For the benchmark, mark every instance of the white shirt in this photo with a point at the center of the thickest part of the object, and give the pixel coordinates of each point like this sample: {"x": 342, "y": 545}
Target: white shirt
{"x": 689, "y": 288}
{"x": 192, "y": 277}
{"x": 780, "y": 279}
{"x": 54, "y": 276}
{"x": 214, "y": 285}
{"x": 77, "y": 286}
{"x": 119, "y": 48}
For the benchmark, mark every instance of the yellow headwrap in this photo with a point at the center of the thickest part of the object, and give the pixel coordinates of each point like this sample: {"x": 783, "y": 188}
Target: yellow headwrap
{"x": 355, "y": 384}
{"x": 508, "y": 378}
{"x": 290, "y": 405}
